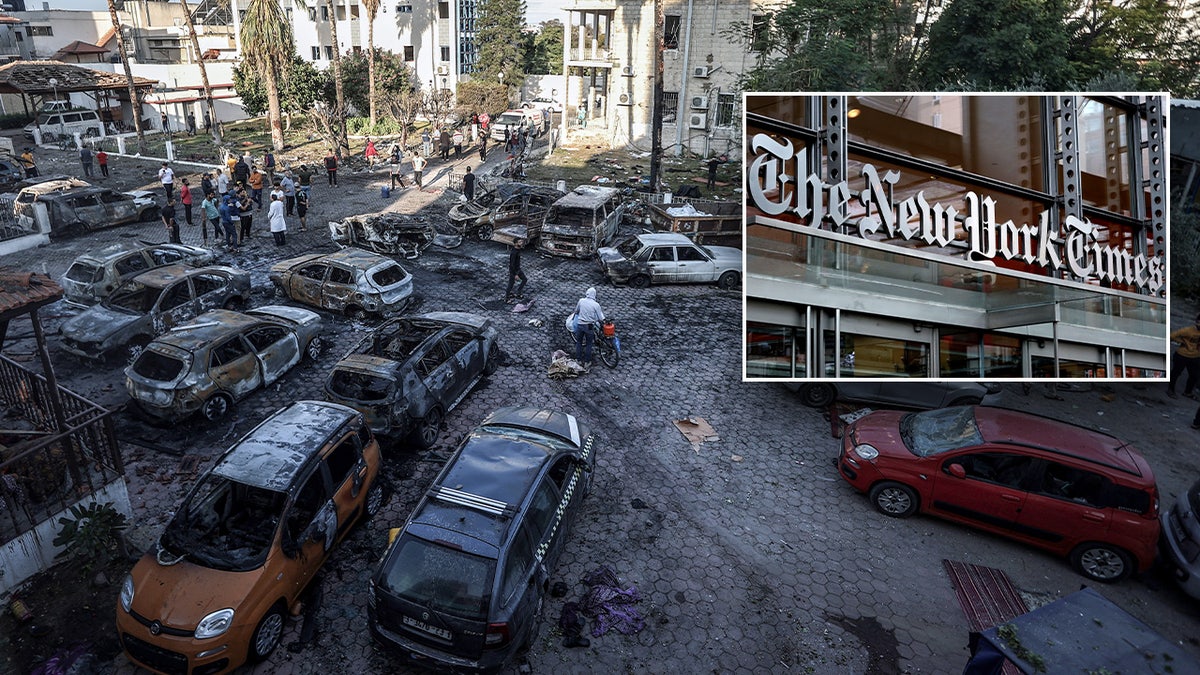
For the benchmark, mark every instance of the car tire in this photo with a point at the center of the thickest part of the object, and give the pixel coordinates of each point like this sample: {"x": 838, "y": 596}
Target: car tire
{"x": 216, "y": 407}
{"x": 1101, "y": 562}
{"x": 639, "y": 281}
{"x": 895, "y": 499}
{"x": 483, "y": 233}
{"x": 729, "y": 280}
{"x": 817, "y": 394}
{"x": 377, "y": 496}
{"x": 266, "y": 635}
{"x": 314, "y": 348}
{"x": 429, "y": 428}
{"x": 492, "y": 361}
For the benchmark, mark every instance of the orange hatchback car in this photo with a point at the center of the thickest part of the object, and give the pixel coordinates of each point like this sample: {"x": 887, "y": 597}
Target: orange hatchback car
{"x": 1075, "y": 492}
{"x": 247, "y": 540}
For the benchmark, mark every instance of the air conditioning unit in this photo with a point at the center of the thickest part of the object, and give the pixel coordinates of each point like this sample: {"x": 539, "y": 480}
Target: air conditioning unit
{"x": 702, "y": 71}
{"x": 625, "y": 99}
{"x": 698, "y": 120}
{"x": 627, "y": 71}
{"x": 700, "y": 102}
{"x": 443, "y": 70}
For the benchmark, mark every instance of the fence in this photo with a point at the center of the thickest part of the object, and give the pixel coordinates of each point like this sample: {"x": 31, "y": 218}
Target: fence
{"x": 9, "y": 227}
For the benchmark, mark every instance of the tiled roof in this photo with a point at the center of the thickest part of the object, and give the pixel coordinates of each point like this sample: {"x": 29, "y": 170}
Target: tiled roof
{"x": 33, "y": 77}
{"x": 81, "y": 47}
{"x": 20, "y": 290}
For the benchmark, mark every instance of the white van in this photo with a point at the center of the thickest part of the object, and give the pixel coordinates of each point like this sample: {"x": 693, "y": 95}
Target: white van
{"x": 67, "y": 123}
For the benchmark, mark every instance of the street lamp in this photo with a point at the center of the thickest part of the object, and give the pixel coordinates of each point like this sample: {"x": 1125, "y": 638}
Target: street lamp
{"x": 54, "y": 85}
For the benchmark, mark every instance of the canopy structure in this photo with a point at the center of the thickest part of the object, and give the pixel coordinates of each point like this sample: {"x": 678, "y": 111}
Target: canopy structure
{"x": 81, "y": 50}
{"x": 31, "y": 79}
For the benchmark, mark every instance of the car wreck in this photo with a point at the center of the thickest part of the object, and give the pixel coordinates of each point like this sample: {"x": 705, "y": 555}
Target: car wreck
{"x": 410, "y": 372}
{"x": 388, "y": 233}
{"x": 509, "y": 212}
{"x": 582, "y": 221}
{"x": 352, "y": 281}
{"x": 220, "y": 357}
{"x": 95, "y": 274}
{"x": 71, "y": 210}
{"x": 662, "y": 258}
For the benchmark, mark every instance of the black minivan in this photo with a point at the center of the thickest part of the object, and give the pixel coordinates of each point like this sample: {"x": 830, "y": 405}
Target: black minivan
{"x": 461, "y": 586}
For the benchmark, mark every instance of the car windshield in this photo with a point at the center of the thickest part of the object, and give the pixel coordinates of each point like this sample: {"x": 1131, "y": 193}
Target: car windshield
{"x": 159, "y": 367}
{"x": 440, "y": 578}
{"x": 360, "y": 386}
{"x": 224, "y": 525}
{"x": 44, "y": 118}
{"x": 514, "y": 118}
{"x": 134, "y": 297}
{"x": 571, "y": 216}
{"x": 937, "y": 431}
{"x": 84, "y": 272}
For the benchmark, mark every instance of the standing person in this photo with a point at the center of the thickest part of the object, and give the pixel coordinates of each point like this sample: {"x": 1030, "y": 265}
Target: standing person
{"x": 102, "y": 160}
{"x": 245, "y": 213}
{"x": 231, "y": 161}
{"x": 483, "y": 142}
{"x": 241, "y": 171}
{"x": 185, "y": 198}
{"x": 395, "y": 162}
{"x": 581, "y": 118}
{"x": 256, "y": 186}
{"x": 507, "y": 139}
{"x": 269, "y": 166}
{"x": 370, "y": 153}
{"x": 212, "y": 216}
{"x": 515, "y": 273}
{"x": 206, "y": 184}
{"x": 331, "y": 166}
{"x": 469, "y": 185}
{"x": 85, "y": 158}
{"x": 1187, "y": 357}
{"x": 207, "y": 122}
{"x": 168, "y": 219}
{"x": 227, "y": 211}
{"x": 457, "y": 140}
{"x": 444, "y": 141}
{"x": 278, "y": 222}
{"x": 304, "y": 179}
{"x": 588, "y": 316}
{"x": 418, "y": 163}
{"x": 190, "y": 120}
{"x": 302, "y": 209}
{"x": 426, "y": 142}
{"x": 288, "y": 186}
{"x": 713, "y": 163}
{"x": 474, "y": 127}
{"x": 166, "y": 176}
{"x": 31, "y": 170}
{"x": 222, "y": 183}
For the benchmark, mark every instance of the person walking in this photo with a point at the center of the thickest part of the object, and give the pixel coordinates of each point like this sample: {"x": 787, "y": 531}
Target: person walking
{"x": 212, "y": 216}
{"x": 222, "y": 183}
{"x": 302, "y": 209}
{"x": 469, "y": 185}
{"x": 241, "y": 172}
{"x": 102, "y": 160}
{"x": 370, "y": 153}
{"x": 256, "y": 186}
{"x": 288, "y": 186}
{"x": 515, "y": 273}
{"x": 444, "y": 141}
{"x": 304, "y": 180}
{"x": 269, "y": 166}
{"x": 713, "y": 163}
{"x": 85, "y": 158}
{"x": 1187, "y": 357}
{"x": 483, "y": 143}
{"x": 206, "y": 184}
{"x": 278, "y": 221}
{"x": 166, "y": 176}
{"x": 418, "y": 163}
{"x": 457, "y": 140}
{"x": 185, "y": 198}
{"x": 168, "y": 218}
{"x": 588, "y": 316}
{"x": 31, "y": 170}
{"x": 395, "y": 161}
{"x": 581, "y": 118}
{"x": 331, "y": 167}
{"x": 245, "y": 213}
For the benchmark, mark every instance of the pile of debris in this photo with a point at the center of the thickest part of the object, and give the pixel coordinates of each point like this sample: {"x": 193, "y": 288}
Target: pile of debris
{"x": 388, "y": 233}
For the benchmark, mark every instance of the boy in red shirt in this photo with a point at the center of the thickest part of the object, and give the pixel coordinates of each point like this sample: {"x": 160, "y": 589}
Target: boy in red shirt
{"x": 102, "y": 159}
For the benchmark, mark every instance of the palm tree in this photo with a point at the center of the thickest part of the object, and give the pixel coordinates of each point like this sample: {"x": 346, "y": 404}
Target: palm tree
{"x": 267, "y": 36}
{"x": 208, "y": 97}
{"x": 342, "y": 141}
{"x": 134, "y": 102}
{"x": 372, "y": 10}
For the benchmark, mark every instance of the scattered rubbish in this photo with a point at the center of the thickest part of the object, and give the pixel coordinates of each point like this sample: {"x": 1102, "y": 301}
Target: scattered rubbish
{"x": 522, "y": 307}
{"x": 78, "y": 659}
{"x": 563, "y": 366}
{"x": 559, "y": 589}
{"x": 736, "y": 458}
{"x": 696, "y": 430}
{"x": 447, "y": 240}
{"x": 637, "y": 503}
{"x": 536, "y": 323}
{"x": 154, "y": 446}
{"x": 609, "y": 606}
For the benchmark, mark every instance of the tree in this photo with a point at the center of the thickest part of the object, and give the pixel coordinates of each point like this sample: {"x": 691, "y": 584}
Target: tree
{"x": 342, "y": 142}
{"x": 500, "y": 37}
{"x": 392, "y": 75}
{"x": 478, "y": 96}
{"x": 1150, "y": 41}
{"x": 437, "y": 103}
{"x": 217, "y": 130}
{"x": 404, "y": 105}
{"x": 134, "y": 101}
{"x": 267, "y": 34}
{"x": 301, "y": 86}
{"x": 544, "y": 49}
{"x": 372, "y": 7}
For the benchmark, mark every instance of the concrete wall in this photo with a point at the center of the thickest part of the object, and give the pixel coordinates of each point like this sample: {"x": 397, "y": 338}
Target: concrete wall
{"x": 68, "y": 25}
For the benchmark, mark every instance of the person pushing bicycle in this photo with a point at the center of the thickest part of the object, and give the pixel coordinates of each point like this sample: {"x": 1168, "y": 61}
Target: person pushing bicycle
{"x": 588, "y": 317}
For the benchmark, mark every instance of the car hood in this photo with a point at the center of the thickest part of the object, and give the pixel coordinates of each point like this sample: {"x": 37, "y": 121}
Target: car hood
{"x": 180, "y": 595}
{"x": 98, "y": 322}
{"x": 881, "y": 430}
{"x": 725, "y": 254}
{"x": 609, "y": 254}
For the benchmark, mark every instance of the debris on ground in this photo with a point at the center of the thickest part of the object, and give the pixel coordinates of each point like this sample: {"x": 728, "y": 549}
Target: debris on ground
{"x": 522, "y": 307}
{"x": 563, "y": 366}
{"x": 608, "y": 605}
{"x": 696, "y": 430}
{"x": 386, "y": 233}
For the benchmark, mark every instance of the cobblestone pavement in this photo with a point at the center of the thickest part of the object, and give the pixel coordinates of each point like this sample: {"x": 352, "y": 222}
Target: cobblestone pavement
{"x": 750, "y": 553}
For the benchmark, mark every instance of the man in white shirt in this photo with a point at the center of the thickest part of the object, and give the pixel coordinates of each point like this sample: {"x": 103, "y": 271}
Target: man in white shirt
{"x": 166, "y": 176}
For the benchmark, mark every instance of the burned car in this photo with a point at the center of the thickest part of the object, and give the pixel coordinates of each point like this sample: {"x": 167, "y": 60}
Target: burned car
{"x": 220, "y": 357}
{"x": 239, "y": 551}
{"x": 410, "y": 372}
{"x": 352, "y": 281}
{"x": 511, "y": 206}
{"x": 582, "y": 221}
{"x": 665, "y": 258}
{"x": 148, "y": 304}
{"x": 385, "y": 233}
{"x": 95, "y": 274}
{"x": 75, "y": 210}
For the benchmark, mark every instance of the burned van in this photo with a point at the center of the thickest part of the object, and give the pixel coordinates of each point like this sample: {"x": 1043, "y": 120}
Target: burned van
{"x": 582, "y": 221}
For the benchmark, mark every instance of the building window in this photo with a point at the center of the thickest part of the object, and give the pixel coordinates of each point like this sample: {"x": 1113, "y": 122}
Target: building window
{"x": 328, "y": 53}
{"x": 759, "y": 25}
{"x": 937, "y": 120}
{"x": 445, "y": 53}
{"x": 408, "y": 53}
{"x": 467, "y": 56}
{"x": 404, "y": 9}
{"x": 670, "y": 106}
{"x": 671, "y": 31}
{"x": 41, "y": 31}
{"x": 726, "y": 109}
{"x": 316, "y": 53}
{"x": 288, "y": 12}
{"x": 312, "y": 14}
{"x": 443, "y": 10}
{"x": 324, "y": 13}
{"x": 20, "y": 36}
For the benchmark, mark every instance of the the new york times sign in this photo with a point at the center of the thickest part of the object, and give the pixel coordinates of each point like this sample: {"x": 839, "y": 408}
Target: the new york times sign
{"x": 776, "y": 165}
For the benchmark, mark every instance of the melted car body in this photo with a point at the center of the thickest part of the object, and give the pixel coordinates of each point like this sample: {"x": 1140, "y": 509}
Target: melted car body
{"x": 73, "y": 210}
{"x": 95, "y": 274}
{"x": 352, "y": 281}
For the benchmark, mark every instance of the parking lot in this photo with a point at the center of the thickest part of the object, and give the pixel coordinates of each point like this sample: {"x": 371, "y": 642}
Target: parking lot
{"x": 749, "y": 553}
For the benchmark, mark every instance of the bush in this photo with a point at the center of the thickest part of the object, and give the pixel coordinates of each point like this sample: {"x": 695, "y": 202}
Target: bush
{"x": 361, "y": 126}
{"x": 15, "y": 120}
{"x": 1184, "y": 251}
{"x": 92, "y": 533}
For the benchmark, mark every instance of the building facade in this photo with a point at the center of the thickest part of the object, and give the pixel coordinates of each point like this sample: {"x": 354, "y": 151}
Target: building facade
{"x": 956, "y": 236}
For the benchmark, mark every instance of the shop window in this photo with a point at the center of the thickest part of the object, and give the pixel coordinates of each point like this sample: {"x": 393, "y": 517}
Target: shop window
{"x": 871, "y": 356}
{"x": 972, "y": 354}
{"x": 671, "y": 24}
{"x": 774, "y": 351}
{"x": 1043, "y": 366}
{"x": 760, "y": 25}
{"x": 726, "y": 109}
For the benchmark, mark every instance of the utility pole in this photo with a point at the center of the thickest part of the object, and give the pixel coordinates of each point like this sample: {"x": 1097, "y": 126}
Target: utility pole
{"x": 657, "y": 113}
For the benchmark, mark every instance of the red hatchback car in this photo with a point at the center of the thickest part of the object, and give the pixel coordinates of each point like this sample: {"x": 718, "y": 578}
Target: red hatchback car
{"x": 1076, "y": 492}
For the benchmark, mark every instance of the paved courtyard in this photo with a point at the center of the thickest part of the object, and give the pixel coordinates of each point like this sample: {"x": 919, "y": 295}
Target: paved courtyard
{"x": 750, "y": 554}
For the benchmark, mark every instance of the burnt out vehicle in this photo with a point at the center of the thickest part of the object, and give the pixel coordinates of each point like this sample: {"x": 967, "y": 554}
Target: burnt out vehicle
{"x": 218, "y": 358}
{"x": 389, "y": 233}
{"x": 665, "y": 258}
{"x": 506, "y": 210}
{"x": 95, "y": 274}
{"x": 149, "y": 304}
{"x": 410, "y": 372}
{"x": 239, "y": 551}
{"x": 75, "y": 210}
{"x": 351, "y": 281}
{"x": 582, "y": 221}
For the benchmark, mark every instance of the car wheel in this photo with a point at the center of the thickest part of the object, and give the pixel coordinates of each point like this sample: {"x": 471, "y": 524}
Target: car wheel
{"x": 279, "y": 292}
{"x": 216, "y": 407}
{"x": 894, "y": 499}
{"x": 639, "y": 281}
{"x": 377, "y": 496}
{"x": 492, "y": 361}
{"x": 817, "y": 394}
{"x": 314, "y": 348}
{"x": 429, "y": 428}
{"x": 728, "y": 280}
{"x": 484, "y": 233}
{"x": 267, "y": 635}
{"x": 1101, "y": 562}
{"x": 235, "y": 303}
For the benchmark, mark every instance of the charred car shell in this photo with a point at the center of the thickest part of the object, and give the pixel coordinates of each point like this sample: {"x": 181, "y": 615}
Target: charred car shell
{"x": 510, "y": 205}
{"x": 95, "y": 274}
{"x": 670, "y": 258}
{"x": 582, "y": 221}
{"x": 73, "y": 210}
{"x": 385, "y": 233}
{"x": 411, "y": 371}
{"x": 220, "y": 357}
{"x": 351, "y": 281}
{"x": 245, "y": 542}
{"x": 148, "y": 304}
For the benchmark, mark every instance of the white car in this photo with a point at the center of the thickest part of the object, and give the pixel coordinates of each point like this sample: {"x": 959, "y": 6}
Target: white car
{"x": 670, "y": 258}
{"x": 544, "y": 103}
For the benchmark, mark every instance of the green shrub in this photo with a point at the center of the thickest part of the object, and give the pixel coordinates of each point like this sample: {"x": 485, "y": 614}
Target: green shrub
{"x": 92, "y": 533}
{"x": 361, "y": 126}
{"x": 14, "y": 120}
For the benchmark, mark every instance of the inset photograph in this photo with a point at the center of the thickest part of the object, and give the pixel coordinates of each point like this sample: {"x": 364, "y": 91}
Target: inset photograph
{"x": 956, "y": 236}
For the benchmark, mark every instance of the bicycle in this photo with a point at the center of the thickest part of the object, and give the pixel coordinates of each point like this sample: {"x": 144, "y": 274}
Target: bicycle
{"x": 606, "y": 343}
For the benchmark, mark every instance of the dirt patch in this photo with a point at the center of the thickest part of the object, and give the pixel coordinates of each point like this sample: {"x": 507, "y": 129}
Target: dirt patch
{"x": 883, "y": 656}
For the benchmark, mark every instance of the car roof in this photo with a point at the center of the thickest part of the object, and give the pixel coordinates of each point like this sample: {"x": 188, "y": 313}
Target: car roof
{"x": 274, "y": 453}
{"x": 357, "y": 257}
{"x": 76, "y": 191}
{"x": 161, "y": 276}
{"x": 587, "y": 196}
{"x": 660, "y": 238}
{"x": 211, "y": 325}
{"x": 999, "y": 425}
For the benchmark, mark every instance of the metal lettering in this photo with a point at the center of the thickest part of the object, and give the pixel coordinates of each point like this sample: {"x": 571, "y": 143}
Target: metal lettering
{"x": 764, "y": 171}
{"x": 874, "y": 197}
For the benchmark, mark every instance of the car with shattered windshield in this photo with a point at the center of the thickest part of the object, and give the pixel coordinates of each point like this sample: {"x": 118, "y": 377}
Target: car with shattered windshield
{"x": 462, "y": 585}
{"x": 1078, "y": 493}
{"x": 149, "y": 304}
{"x": 582, "y": 221}
{"x": 75, "y": 210}
{"x": 93, "y": 275}
{"x": 238, "y": 552}
{"x": 352, "y": 281}
{"x": 209, "y": 363}
{"x": 666, "y": 258}
{"x": 510, "y": 211}
{"x": 1181, "y": 540}
{"x": 411, "y": 371}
